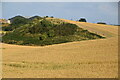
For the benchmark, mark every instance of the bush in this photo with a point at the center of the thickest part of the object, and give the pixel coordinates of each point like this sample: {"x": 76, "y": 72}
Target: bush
{"x": 51, "y": 33}
{"x": 65, "y": 29}
{"x": 46, "y": 16}
{"x": 18, "y": 20}
{"x": 35, "y": 17}
{"x": 46, "y": 33}
{"x": 101, "y": 23}
{"x": 52, "y": 17}
{"x": 43, "y": 36}
{"x": 82, "y": 20}
{"x": 8, "y": 28}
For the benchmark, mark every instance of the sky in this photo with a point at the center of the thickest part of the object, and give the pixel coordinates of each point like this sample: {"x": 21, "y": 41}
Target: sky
{"x": 92, "y": 11}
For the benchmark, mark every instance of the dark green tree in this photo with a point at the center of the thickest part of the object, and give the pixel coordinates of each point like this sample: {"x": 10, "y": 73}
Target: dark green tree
{"x": 82, "y": 20}
{"x": 101, "y": 23}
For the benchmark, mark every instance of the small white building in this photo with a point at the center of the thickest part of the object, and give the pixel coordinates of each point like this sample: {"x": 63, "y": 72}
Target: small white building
{"x": 5, "y": 21}
{"x": 8, "y": 21}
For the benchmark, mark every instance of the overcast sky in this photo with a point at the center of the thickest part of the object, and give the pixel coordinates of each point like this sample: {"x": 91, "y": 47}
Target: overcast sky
{"x": 93, "y": 11}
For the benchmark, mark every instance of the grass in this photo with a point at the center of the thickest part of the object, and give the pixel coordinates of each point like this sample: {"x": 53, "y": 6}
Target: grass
{"x": 55, "y": 20}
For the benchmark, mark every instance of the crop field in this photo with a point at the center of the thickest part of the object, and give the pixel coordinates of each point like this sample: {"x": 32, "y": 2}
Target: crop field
{"x": 81, "y": 59}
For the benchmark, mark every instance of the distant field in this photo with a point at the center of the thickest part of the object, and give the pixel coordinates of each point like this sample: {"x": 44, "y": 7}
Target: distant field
{"x": 85, "y": 59}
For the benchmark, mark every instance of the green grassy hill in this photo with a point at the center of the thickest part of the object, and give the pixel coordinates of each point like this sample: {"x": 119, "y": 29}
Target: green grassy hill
{"x": 41, "y": 31}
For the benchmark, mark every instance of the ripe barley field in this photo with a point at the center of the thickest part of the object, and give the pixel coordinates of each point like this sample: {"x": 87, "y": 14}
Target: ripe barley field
{"x": 82, "y": 59}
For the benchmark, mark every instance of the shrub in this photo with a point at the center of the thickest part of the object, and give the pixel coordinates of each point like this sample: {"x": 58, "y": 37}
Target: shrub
{"x": 101, "y": 23}
{"x": 43, "y": 36}
{"x": 35, "y": 17}
{"x": 65, "y": 29}
{"x": 46, "y": 33}
{"x": 82, "y": 20}
{"x": 18, "y": 20}
{"x": 52, "y": 17}
{"x": 51, "y": 33}
{"x": 8, "y": 28}
{"x": 46, "y": 16}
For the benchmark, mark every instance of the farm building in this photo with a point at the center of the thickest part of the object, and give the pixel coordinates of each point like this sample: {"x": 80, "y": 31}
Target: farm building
{"x": 4, "y": 21}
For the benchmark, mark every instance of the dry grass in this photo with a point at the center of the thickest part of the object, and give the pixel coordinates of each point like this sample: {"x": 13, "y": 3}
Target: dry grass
{"x": 55, "y": 20}
{"x": 84, "y": 59}
{"x": 1, "y": 32}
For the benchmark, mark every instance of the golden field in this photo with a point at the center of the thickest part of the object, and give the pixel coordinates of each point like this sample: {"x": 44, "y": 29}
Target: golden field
{"x": 82, "y": 59}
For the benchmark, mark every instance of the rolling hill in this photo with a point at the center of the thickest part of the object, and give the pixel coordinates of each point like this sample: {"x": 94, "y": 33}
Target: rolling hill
{"x": 43, "y": 31}
{"x": 96, "y": 58}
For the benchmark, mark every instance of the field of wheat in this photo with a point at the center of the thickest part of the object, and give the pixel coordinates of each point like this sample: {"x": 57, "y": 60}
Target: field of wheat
{"x": 82, "y": 59}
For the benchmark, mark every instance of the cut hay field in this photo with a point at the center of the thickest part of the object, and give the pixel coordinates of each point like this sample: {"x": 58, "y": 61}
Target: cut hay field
{"x": 83, "y": 59}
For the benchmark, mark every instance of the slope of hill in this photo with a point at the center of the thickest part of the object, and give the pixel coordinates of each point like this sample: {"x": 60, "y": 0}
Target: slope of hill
{"x": 81, "y": 59}
{"x": 101, "y": 29}
{"x": 42, "y": 32}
